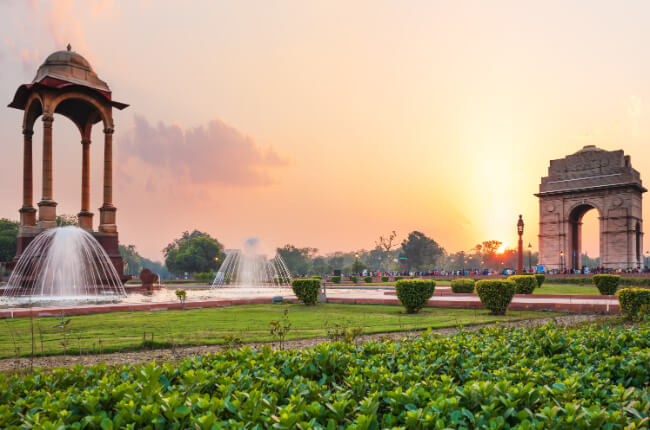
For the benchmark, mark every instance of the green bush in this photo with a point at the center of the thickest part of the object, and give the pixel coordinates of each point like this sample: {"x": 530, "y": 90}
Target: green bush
{"x": 336, "y": 279}
{"x": 398, "y": 278}
{"x": 632, "y": 281}
{"x": 634, "y": 301}
{"x": 606, "y": 284}
{"x": 496, "y": 294}
{"x": 353, "y": 278}
{"x": 525, "y": 284}
{"x": 367, "y": 279}
{"x": 317, "y": 277}
{"x": 306, "y": 290}
{"x": 204, "y": 277}
{"x": 462, "y": 285}
{"x": 384, "y": 279}
{"x": 414, "y": 293}
{"x": 540, "y": 279}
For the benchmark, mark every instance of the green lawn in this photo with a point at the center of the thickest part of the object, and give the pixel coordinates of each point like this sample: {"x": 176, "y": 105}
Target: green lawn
{"x": 566, "y": 289}
{"x": 123, "y": 331}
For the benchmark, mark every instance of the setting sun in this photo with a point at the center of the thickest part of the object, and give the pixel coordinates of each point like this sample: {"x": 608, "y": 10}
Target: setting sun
{"x": 501, "y": 249}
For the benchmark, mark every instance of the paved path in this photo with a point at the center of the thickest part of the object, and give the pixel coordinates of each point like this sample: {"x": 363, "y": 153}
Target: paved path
{"x": 443, "y": 298}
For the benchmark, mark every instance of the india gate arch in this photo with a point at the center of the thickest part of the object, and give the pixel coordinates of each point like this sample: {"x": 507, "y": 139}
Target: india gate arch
{"x": 66, "y": 84}
{"x": 592, "y": 178}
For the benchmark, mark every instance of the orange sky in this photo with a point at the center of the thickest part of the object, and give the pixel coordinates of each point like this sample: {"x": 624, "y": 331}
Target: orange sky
{"x": 326, "y": 124}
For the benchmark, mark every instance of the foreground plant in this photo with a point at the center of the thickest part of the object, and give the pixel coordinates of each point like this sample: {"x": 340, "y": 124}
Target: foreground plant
{"x": 542, "y": 378}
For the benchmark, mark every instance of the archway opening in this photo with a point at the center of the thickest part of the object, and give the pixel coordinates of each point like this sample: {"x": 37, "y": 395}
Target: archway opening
{"x": 584, "y": 242}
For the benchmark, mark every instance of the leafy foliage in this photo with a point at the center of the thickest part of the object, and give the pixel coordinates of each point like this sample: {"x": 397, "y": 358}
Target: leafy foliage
{"x": 422, "y": 252}
{"x": 540, "y": 279}
{"x": 297, "y": 259}
{"x": 306, "y": 290}
{"x": 336, "y": 279}
{"x": 135, "y": 263}
{"x": 414, "y": 293}
{"x": 8, "y": 238}
{"x": 385, "y": 279}
{"x": 547, "y": 377}
{"x": 367, "y": 279}
{"x": 496, "y": 294}
{"x": 606, "y": 284}
{"x": 462, "y": 285}
{"x": 193, "y": 252}
{"x": 204, "y": 277}
{"x": 524, "y": 284}
{"x": 65, "y": 219}
{"x": 634, "y": 301}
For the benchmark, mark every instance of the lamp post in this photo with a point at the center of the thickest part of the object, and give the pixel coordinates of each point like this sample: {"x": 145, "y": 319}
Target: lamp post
{"x": 647, "y": 254}
{"x": 561, "y": 261}
{"x": 520, "y": 257}
{"x": 530, "y": 257}
{"x": 356, "y": 263}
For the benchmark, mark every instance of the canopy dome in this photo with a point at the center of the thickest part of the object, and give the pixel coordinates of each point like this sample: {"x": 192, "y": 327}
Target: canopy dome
{"x": 70, "y": 66}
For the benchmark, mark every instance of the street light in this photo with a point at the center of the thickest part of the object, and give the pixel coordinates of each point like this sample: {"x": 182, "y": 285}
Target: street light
{"x": 647, "y": 255}
{"x": 520, "y": 257}
{"x": 562, "y": 261}
{"x": 530, "y": 258}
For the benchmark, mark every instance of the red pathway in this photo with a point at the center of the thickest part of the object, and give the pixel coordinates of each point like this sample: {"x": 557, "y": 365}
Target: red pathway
{"x": 443, "y": 298}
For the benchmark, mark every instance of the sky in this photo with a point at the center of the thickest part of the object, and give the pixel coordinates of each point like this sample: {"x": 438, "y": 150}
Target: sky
{"x": 329, "y": 123}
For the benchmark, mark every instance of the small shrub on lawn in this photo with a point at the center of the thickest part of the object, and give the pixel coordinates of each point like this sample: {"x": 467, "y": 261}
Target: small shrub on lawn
{"x": 414, "y": 293}
{"x": 635, "y": 302}
{"x": 398, "y": 278}
{"x": 204, "y": 277}
{"x": 336, "y": 279}
{"x": 606, "y": 284}
{"x": 306, "y": 290}
{"x": 462, "y": 285}
{"x": 384, "y": 279}
{"x": 496, "y": 294}
{"x": 353, "y": 279}
{"x": 524, "y": 284}
{"x": 368, "y": 279}
{"x": 540, "y": 279}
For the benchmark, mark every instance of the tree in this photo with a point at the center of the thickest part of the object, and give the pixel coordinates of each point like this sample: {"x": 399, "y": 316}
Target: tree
{"x": 421, "y": 252}
{"x": 135, "y": 263}
{"x": 298, "y": 260}
{"x": 194, "y": 252}
{"x": 65, "y": 219}
{"x": 8, "y": 239}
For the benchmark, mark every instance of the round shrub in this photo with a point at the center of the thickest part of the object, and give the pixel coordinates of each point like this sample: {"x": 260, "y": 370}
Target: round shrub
{"x": 306, "y": 290}
{"x": 398, "y": 278}
{"x": 336, "y": 279}
{"x": 496, "y": 294}
{"x": 414, "y": 293}
{"x": 524, "y": 284}
{"x": 606, "y": 284}
{"x": 634, "y": 301}
{"x": 353, "y": 278}
{"x": 368, "y": 279}
{"x": 384, "y": 279}
{"x": 540, "y": 279}
{"x": 462, "y": 285}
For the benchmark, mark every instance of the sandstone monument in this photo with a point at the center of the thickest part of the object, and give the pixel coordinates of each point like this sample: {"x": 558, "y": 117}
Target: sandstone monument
{"x": 591, "y": 178}
{"x": 66, "y": 84}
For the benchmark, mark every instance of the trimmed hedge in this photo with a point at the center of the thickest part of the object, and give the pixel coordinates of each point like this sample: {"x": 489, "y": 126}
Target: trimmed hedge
{"x": 606, "y": 284}
{"x": 587, "y": 280}
{"x": 540, "y": 279}
{"x": 368, "y": 279}
{"x": 462, "y": 285}
{"x": 336, "y": 279}
{"x": 414, "y": 293}
{"x": 635, "y": 302}
{"x": 384, "y": 279}
{"x": 306, "y": 290}
{"x": 398, "y": 278}
{"x": 496, "y": 294}
{"x": 353, "y": 278}
{"x": 525, "y": 284}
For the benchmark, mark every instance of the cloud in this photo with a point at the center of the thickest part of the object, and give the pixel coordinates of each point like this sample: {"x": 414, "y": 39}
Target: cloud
{"x": 213, "y": 154}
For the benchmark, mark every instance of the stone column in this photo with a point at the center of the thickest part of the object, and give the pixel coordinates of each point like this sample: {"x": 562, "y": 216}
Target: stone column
{"x": 27, "y": 211}
{"x": 107, "y": 211}
{"x": 85, "y": 216}
{"x": 47, "y": 205}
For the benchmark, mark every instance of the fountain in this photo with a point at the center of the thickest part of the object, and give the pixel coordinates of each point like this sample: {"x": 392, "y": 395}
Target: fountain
{"x": 246, "y": 267}
{"x": 64, "y": 264}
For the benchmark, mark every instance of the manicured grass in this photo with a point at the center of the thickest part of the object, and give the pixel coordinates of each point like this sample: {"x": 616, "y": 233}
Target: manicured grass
{"x": 123, "y": 331}
{"x": 566, "y": 289}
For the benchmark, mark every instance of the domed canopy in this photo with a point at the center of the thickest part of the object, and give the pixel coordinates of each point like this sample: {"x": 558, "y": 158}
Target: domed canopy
{"x": 70, "y": 67}
{"x": 65, "y": 71}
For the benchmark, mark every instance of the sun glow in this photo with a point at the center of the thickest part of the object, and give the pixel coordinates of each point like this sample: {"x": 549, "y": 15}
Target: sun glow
{"x": 501, "y": 249}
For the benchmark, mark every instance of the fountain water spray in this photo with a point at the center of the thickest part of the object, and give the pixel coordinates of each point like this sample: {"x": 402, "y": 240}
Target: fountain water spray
{"x": 64, "y": 264}
{"x": 247, "y": 267}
